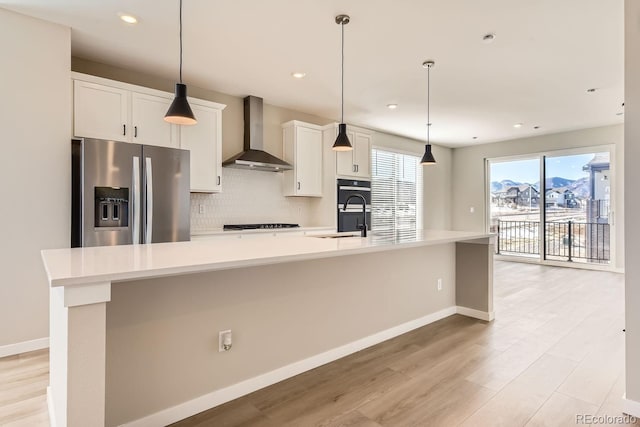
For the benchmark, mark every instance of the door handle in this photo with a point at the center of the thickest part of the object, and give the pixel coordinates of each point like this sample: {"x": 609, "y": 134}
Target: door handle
{"x": 149, "y": 202}
{"x": 135, "y": 229}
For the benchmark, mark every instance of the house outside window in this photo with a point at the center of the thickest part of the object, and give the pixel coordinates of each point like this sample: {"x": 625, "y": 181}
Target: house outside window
{"x": 396, "y": 192}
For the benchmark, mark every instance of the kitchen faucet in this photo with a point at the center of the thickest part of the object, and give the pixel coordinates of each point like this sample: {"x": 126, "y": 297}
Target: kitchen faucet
{"x": 363, "y": 232}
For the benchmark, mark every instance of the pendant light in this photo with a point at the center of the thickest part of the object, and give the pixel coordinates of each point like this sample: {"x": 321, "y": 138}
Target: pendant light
{"x": 342, "y": 141}
{"x": 180, "y": 112}
{"x": 428, "y": 158}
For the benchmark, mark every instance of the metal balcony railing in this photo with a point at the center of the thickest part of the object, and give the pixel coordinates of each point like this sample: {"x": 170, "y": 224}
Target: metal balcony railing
{"x": 562, "y": 240}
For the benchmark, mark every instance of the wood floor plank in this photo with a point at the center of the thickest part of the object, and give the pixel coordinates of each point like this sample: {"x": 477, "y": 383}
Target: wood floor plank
{"x": 517, "y": 402}
{"x": 561, "y": 410}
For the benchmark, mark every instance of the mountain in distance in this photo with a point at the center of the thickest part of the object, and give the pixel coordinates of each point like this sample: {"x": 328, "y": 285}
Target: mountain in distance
{"x": 556, "y": 182}
{"x": 579, "y": 187}
{"x": 504, "y": 185}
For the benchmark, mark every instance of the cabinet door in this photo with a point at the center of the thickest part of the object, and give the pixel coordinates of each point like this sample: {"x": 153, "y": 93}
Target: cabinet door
{"x": 362, "y": 155}
{"x": 100, "y": 112}
{"x": 308, "y": 164}
{"x": 344, "y": 159}
{"x": 203, "y": 140}
{"x": 149, "y": 127}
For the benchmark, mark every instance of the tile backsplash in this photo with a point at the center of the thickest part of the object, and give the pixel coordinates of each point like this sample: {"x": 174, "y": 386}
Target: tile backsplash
{"x": 249, "y": 197}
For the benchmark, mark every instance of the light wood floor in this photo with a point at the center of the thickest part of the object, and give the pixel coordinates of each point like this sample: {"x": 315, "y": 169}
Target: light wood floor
{"x": 555, "y": 350}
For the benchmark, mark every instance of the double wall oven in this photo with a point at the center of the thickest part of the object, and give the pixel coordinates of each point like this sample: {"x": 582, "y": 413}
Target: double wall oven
{"x": 351, "y": 219}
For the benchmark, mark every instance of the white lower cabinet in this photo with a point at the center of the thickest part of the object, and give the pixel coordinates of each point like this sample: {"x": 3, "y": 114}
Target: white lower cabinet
{"x": 302, "y": 147}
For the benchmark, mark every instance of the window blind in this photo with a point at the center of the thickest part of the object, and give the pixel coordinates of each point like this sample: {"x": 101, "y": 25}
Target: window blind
{"x": 396, "y": 193}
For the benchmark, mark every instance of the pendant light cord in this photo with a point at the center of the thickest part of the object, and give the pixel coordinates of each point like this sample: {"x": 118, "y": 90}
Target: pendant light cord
{"x": 180, "y": 41}
{"x": 428, "y": 101}
{"x": 342, "y": 73}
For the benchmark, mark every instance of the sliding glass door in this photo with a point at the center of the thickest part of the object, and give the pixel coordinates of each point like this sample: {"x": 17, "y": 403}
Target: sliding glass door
{"x": 554, "y": 207}
{"x": 577, "y": 205}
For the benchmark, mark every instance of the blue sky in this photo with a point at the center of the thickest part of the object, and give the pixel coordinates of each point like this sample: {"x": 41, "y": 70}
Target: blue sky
{"x": 528, "y": 170}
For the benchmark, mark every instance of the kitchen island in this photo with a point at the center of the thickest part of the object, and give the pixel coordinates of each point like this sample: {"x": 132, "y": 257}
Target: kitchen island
{"x": 134, "y": 329}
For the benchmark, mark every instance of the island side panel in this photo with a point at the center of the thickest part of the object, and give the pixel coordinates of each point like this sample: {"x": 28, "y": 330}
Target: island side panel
{"x": 77, "y": 356}
{"x": 474, "y": 278}
{"x": 162, "y": 334}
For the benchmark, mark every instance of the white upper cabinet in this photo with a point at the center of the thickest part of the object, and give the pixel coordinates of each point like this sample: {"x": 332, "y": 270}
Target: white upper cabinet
{"x": 204, "y": 140}
{"x": 302, "y": 147}
{"x": 357, "y": 162}
{"x": 149, "y": 127}
{"x": 107, "y": 109}
{"x": 100, "y": 111}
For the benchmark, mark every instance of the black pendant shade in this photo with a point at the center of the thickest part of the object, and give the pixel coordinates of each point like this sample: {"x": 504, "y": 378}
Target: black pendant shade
{"x": 428, "y": 158}
{"x": 342, "y": 141}
{"x": 180, "y": 112}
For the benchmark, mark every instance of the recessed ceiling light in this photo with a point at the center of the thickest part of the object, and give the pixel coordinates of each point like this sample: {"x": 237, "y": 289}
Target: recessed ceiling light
{"x": 392, "y": 106}
{"x": 129, "y": 19}
{"x": 488, "y": 38}
{"x": 517, "y": 125}
{"x": 591, "y": 90}
{"x": 298, "y": 75}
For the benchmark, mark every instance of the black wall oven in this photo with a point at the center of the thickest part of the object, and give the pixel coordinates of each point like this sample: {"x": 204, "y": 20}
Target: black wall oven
{"x": 351, "y": 219}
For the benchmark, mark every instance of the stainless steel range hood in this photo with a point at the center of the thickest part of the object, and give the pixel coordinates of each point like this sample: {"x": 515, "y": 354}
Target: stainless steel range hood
{"x": 254, "y": 157}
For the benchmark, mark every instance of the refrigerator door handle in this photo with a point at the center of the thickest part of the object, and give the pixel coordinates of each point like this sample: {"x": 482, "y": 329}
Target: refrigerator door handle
{"x": 149, "y": 202}
{"x": 135, "y": 229}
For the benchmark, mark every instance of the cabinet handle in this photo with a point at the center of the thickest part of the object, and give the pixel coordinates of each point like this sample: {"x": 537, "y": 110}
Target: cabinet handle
{"x": 124, "y": 129}
{"x": 298, "y": 185}
{"x": 135, "y": 131}
{"x": 219, "y": 180}
{"x": 353, "y": 168}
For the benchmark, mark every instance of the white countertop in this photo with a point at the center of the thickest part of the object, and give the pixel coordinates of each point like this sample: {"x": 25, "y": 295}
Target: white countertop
{"x": 78, "y": 266}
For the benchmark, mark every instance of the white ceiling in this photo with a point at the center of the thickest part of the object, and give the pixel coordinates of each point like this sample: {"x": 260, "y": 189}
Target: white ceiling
{"x": 546, "y": 54}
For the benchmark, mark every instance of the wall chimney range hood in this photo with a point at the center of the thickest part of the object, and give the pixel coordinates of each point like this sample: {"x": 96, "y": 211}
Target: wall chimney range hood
{"x": 254, "y": 157}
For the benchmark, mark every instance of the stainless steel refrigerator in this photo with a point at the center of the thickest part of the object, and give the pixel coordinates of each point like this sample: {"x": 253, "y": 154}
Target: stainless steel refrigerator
{"x": 128, "y": 193}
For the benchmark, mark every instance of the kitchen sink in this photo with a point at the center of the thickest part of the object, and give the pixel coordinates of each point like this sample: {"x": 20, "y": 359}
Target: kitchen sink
{"x": 335, "y": 235}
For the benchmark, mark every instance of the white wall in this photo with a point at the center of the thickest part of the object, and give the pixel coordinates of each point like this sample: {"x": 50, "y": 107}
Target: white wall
{"x": 469, "y": 182}
{"x": 632, "y": 206}
{"x": 35, "y": 172}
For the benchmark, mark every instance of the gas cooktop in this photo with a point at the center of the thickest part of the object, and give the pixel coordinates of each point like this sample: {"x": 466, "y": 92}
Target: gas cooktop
{"x": 257, "y": 226}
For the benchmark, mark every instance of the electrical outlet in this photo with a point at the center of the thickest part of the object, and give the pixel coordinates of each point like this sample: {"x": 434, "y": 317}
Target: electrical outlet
{"x": 439, "y": 284}
{"x": 201, "y": 209}
{"x": 225, "y": 340}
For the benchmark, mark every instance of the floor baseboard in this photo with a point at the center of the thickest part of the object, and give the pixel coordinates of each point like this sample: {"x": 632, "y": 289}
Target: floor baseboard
{"x": 23, "y": 347}
{"x": 630, "y": 407}
{"x": 218, "y": 397}
{"x": 476, "y": 314}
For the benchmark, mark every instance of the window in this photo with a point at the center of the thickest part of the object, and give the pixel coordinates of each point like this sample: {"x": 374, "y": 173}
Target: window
{"x": 396, "y": 192}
